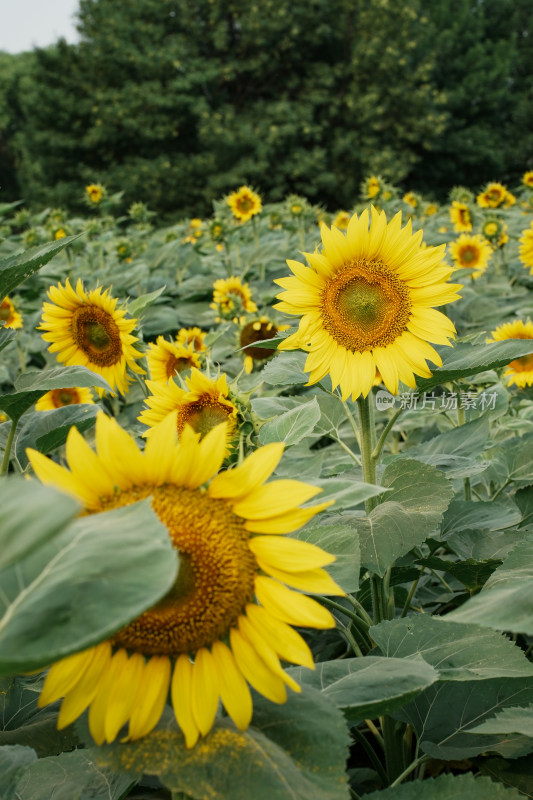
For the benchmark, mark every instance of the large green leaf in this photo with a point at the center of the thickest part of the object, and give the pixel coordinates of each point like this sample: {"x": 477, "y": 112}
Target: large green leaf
{"x": 71, "y": 776}
{"x": 6, "y": 336}
{"x": 292, "y": 426}
{"x": 465, "y": 440}
{"x": 86, "y": 583}
{"x": 418, "y": 496}
{"x": 469, "y": 359}
{"x": 510, "y": 720}
{"x": 280, "y": 757}
{"x": 506, "y": 601}
{"x": 14, "y": 761}
{"x": 464, "y": 515}
{"x": 448, "y": 787}
{"x": 459, "y": 652}
{"x": 47, "y": 430}
{"x": 31, "y": 515}
{"x": 15, "y": 269}
{"x": 285, "y": 369}
{"x": 513, "y": 460}
{"x": 517, "y": 773}
{"x": 369, "y": 687}
{"x": 471, "y": 573}
{"x": 442, "y": 715}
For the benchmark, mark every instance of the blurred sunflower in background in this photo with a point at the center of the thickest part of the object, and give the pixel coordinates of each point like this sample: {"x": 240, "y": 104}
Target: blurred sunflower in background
{"x": 460, "y": 217}
{"x": 365, "y": 303}
{"x": 8, "y": 314}
{"x": 519, "y": 371}
{"x": 371, "y": 187}
{"x": 166, "y": 359}
{"x": 58, "y": 398}
{"x": 341, "y": 220}
{"x": 244, "y": 203}
{"x": 203, "y": 405}
{"x": 86, "y": 328}
{"x": 193, "y": 336}
{"x": 525, "y": 251}
{"x": 232, "y": 299}
{"x": 494, "y": 196}
{"x": 472, "y": 252}
{"x": 226, "y": 623}
{"x": 527, "y": 178}
{"x": 94, "y": 193}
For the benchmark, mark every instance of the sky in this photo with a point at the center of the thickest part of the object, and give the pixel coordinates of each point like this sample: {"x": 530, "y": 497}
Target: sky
{"x": 25, "y": 24}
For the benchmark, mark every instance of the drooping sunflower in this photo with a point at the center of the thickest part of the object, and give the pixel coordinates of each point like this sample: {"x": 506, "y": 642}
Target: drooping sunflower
{"x": 371, "y": 187}
{"x": 226, "y": 622}
{"x": 412, "y": 199}
{"x": 57, "y": 398}
{"x": 525, "y": 250}
{"x": 471, "y": 251}
{"x": 257, "y": 331}
{"x": 366, "y": 302}
{"x": 341, "y": 220}
{"x": 193, "y": 336}
{"x": 460, "y": 217}
{"x": 232, "y": 298}
{"x": 203, "y": 405}
{"x": 86, "y": 328}
{"x": 244, "y": 203}
{"x": 519, "y": 371}
{"x": 94, "y": 192}
{"x": 165, "y": 358}
{"x": 8, "y": 315}
{"x": 527, "y": 178}
{"x": 494, "y": 196}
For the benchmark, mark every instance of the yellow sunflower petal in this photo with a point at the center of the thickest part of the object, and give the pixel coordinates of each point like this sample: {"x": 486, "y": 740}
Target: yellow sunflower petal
{"x": 265, "y": 652}
{"x": 98, "y": 707}
{"x": 151, "y": 697}
{"x": 288, "y": 522}
{"x": 252, "y": 473}
{"x": 291, "y": 607}
{"x": 63, "y": 675}
{"x": 289, "y": 554}
{"x": 314, "y": 581}
{"x": 83, "y": 693}
{"x": 234, "y": 690}
{"x": 283, "y": 495}
{"x": 254, "y": 669}
{"x": 123, "y": 695}
{"x": 181, "y": 692}
{"x": 205, "y": 691}
{"x": 51, "y": 474}
{"x": 281, "y": 637}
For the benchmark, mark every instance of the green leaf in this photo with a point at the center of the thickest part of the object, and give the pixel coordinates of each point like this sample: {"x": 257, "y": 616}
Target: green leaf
{"x": 469, "y": 359}
{"x": 472, "y": 574}
{"x": 136, "y": 307}
{"x": 513, "y": 461}
{"x": 14, "y": 761}
{"x": 447, "y": 787}
{"x": 517, "y": 773}
{"x": 292, "y": 426}
{"x": 285, "y": 369}
{"x": 419, "y": 495}
{"x": 59, "y": 378}
{"x": 466, "y": 515}
{"x": 443, "y": 714}
{"x": 459, "y": 652}
{"x": 346, "y": 492}
{"x": 47, "y": 430}
{"x": 484, "y": 545}
{"x": 7, "y": 335}
{"x": 466, "y": 440}
{"x": 88, "y": 582}
{"x": 341, "y": 540}
{"x": 506, "y": 601}
{"x": 71, "y": 776}
{"x": 510, "y": 720}
{"x": 15, "y": 269}
{"x": 368, "y": 687}
{"x": 281, "y": 756}
{"x": 32, "y": 514}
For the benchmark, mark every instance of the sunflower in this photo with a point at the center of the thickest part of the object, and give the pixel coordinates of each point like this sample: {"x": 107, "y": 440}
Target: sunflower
{"x": 471, "y": 251}
{"x": 86, "y": 328}
{"x": 430, "y": 210}
{"x": 411, "y": 199}
{"x": 94, "y": 193}
{"x": 371, "y": 187}
{"x": 193, "y": 336}
{"x": 165, "y": 358}
{"x": 366, "y": 302}
{"x": 203, "y": 405}
{"x": 257, "y": 331}
{"x": 519, "y": 371}
{"x": 8, "y": 315}
{"x": 526, "y": 248}
{"x": 244, "y": 203}
{"x": 58, "y": 398}
{"x": 341, "y": 220}
{"x": 495, "y": 230}
{"x": 494, "y": 196}
{"x": 232, "y": 298}
{"x": 226, "y": 622}
{"x": 527, "y": 178}
{"x": 60, "y": 233}
{"x": 460, "y": 217}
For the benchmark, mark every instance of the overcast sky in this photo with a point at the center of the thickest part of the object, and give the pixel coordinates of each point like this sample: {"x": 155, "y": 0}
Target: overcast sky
{"x": 25, "y": 24}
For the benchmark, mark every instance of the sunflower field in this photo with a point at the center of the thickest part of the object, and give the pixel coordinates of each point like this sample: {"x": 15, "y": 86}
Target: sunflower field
{"x": 266, "y": 499}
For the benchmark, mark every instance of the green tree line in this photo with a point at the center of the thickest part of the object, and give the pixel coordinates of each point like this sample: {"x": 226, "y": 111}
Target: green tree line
{"x": 175, "y": 102}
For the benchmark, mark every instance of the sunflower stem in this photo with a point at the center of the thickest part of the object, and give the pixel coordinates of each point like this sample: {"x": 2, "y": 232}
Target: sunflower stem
{"x": 461, "y": 419}
{"x": 9, "y": 445}
{"x": 384, "y": 433}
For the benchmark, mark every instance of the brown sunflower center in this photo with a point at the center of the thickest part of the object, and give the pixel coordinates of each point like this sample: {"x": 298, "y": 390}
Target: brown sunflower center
{"x": 245, "y": 204}
{"x": 365, "y": 305}
{"x": 257, "y": 332}
{"x": 96, "y": 333}
{"x": 5, "y": 312}
{"x": 464, "y": 216}
{"x": 215, "y": 579}
{"x": 203, "y": 415}
{"x": 177, "y": 364}
{"x": 469, "y": 255}
{"x": 524, "y": 364}
{"x": 64, "y": 397}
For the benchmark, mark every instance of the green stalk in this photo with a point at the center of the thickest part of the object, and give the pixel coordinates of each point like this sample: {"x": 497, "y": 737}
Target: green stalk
{"x": 369, "y": 750}
{"x": 9, "y": 445}
{"x": 461, "y": 419}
